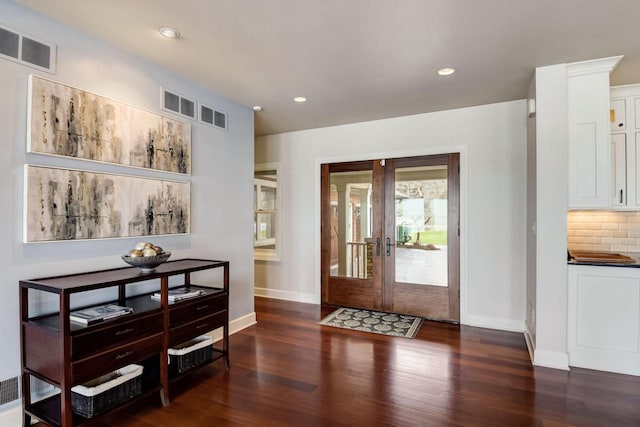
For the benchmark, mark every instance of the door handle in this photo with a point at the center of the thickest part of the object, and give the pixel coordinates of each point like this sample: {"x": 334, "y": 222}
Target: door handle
{"x": 377, "y": 246}
{"x": 388, "y": 246}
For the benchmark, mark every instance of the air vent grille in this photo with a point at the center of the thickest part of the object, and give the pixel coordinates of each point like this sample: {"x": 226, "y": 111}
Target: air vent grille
{"x": 9, "y": 43}
{"x": 26, "y": 50}
{"x": 188, "y": 108}
{"x": 8, "y": 390}
{"x": 206, "y": 114}
{"x": 171, "y": 102}
{"x": 36, "y": 53}
{"x": 213, "y": 117}
{"x": 175, "y": 103}
{"x": 220, "y": 120}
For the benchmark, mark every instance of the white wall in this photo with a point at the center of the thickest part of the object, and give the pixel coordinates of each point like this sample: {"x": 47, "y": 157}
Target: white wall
{"x": 492, "y": 141}
{"x": 221, "y": 193}
{"x": 552, "y": 136}
{"x": 531, "y": 222}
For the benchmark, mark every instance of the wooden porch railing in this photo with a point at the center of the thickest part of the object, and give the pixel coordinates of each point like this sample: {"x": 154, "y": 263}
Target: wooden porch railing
{"x": 357, "y": 259}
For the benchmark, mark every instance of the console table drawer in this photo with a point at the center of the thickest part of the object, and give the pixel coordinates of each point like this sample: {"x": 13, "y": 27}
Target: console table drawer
{"x": 183, "y": 312}
{"x": 102, "y": 363}
{"x": 96, "y": 339}
{"x": 198, "y": 327}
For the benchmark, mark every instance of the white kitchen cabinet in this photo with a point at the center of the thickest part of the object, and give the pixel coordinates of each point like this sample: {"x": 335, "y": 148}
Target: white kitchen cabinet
{"x": 589, "y": 130}
{"x": 604, "y": 318}
{"x": 635, "y": 176}
{"x": 625, "y": 147}
{"x": 618, "y": 169}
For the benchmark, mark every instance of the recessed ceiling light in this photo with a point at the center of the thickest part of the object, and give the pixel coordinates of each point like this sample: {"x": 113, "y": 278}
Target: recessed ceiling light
{"x": 257, "y": 108}
{"x": 169, "y": 32}
{"x": 447, "y": 71}
{"x": 300, "y": 99}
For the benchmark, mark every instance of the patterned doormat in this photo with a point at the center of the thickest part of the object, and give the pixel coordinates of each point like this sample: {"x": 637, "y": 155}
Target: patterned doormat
{"x": 398, "y": 325}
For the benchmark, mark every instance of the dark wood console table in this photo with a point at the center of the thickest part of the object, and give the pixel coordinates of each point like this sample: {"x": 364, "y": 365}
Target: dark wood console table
{"x": 64, "y": 353}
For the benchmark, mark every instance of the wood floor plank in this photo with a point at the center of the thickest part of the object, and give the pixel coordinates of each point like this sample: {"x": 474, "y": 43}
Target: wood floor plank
{"x": 289, "y": 371}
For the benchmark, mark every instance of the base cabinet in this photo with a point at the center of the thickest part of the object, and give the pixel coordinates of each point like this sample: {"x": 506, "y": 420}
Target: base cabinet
{"x": 604, "y": 318}
{"x": 65, "y": 354}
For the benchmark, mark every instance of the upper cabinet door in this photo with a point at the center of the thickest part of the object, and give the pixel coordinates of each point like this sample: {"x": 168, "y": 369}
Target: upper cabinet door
{"x": 625, "y": 147}
{"x": 619, "y": 172}
{"x": 589, "y": 129}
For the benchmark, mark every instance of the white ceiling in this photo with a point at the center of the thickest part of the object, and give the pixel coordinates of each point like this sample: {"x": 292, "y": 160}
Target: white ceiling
{"x": 358, "y": 60}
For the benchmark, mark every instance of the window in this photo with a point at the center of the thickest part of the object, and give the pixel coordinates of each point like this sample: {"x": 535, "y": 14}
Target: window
{"x": 266, "y": 205}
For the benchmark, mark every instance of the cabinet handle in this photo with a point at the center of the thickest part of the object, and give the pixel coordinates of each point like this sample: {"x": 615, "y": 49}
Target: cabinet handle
{"x": 204, "y": 325}
{"x": 124, "y": 331}
{"x": 123, "y": 355}
{"x": 620, "y": 195}
{"x": 620, "y": 125}
{"x": 202, "y": 307}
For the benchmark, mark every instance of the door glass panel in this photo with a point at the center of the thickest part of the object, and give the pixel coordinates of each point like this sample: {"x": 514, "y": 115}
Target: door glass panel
{"x": 421, "y": 225}
{"x": 351, "y": 224}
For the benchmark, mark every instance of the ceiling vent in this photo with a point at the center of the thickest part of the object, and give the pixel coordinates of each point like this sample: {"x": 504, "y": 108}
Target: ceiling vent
{"x": 213, "y": 117}
{"x": 175, "y": 103}
{"x": 26, "y": 50}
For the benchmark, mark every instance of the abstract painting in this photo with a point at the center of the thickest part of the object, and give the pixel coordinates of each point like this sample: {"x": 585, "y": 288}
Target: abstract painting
{"x": 70, "y": 122}
{"x": 63, "y": 204}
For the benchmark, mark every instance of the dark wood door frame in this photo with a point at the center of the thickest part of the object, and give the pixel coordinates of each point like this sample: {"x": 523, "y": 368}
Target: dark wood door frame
{"x": 363, "y": 293}
{"x": 381, "y": 291}
{"x": 403, "y": 297}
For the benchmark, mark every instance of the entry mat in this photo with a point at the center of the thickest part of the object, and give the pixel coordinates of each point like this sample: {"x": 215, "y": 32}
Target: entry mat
{"x": 397, "y": 325}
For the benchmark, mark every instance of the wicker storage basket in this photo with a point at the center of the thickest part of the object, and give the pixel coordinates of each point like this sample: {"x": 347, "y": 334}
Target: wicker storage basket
{"x": 107, "y": 392}
{"x": 190, "y": 354}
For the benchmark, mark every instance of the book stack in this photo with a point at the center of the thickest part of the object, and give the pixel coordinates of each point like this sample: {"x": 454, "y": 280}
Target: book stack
{"x": 178, "y": 294}
{"x": 100, "y": 313}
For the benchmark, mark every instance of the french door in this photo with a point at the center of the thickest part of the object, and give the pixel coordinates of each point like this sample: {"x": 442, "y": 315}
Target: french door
{"x": 390, "y": 235}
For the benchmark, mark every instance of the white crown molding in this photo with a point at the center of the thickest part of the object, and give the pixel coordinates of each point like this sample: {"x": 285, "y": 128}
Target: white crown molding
{"x": 593, "y": 66}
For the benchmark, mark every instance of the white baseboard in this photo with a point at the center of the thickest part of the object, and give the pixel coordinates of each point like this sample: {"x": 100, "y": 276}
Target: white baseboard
{"x": 286, "y": 295}
{"x": 235, "y": 325}
{"x": 12, "y": 417}
{"x": 528, "y": 338}
{"x": 551, "y": 359}
{"x": 495, "y": 323}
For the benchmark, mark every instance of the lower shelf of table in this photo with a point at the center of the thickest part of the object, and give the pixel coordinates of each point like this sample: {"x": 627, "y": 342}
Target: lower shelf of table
{"x": 217, "y": 354}
{"x": 48, "y": 410}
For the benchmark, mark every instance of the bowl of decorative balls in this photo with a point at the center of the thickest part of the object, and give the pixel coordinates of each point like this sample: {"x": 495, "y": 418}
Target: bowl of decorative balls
{"x": 146, "y": 256}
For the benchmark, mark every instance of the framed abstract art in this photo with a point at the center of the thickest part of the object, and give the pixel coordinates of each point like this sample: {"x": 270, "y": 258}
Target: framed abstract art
{"x": 64, "y": 204}
{"x": 70, "y": 122}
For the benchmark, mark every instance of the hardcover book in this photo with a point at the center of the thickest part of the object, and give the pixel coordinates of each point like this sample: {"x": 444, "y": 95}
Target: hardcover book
{"x": 179, "y": 294}
{"x": 99, "y": 313}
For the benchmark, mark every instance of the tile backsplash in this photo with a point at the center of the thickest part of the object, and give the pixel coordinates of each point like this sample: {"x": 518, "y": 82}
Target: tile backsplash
{"x": 603, "y": 231}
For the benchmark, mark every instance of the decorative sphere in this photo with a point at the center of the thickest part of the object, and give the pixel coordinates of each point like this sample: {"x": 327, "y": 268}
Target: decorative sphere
{"x": 140, "y": 245}
{"x": 149, "y": 252}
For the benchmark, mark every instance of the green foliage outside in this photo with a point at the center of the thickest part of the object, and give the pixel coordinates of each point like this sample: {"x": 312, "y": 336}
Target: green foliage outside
{"x": 435, "y": 237}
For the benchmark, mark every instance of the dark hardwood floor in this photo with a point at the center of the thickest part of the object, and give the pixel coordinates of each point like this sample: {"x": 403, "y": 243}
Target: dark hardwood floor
{"x": 289, "y": 371}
